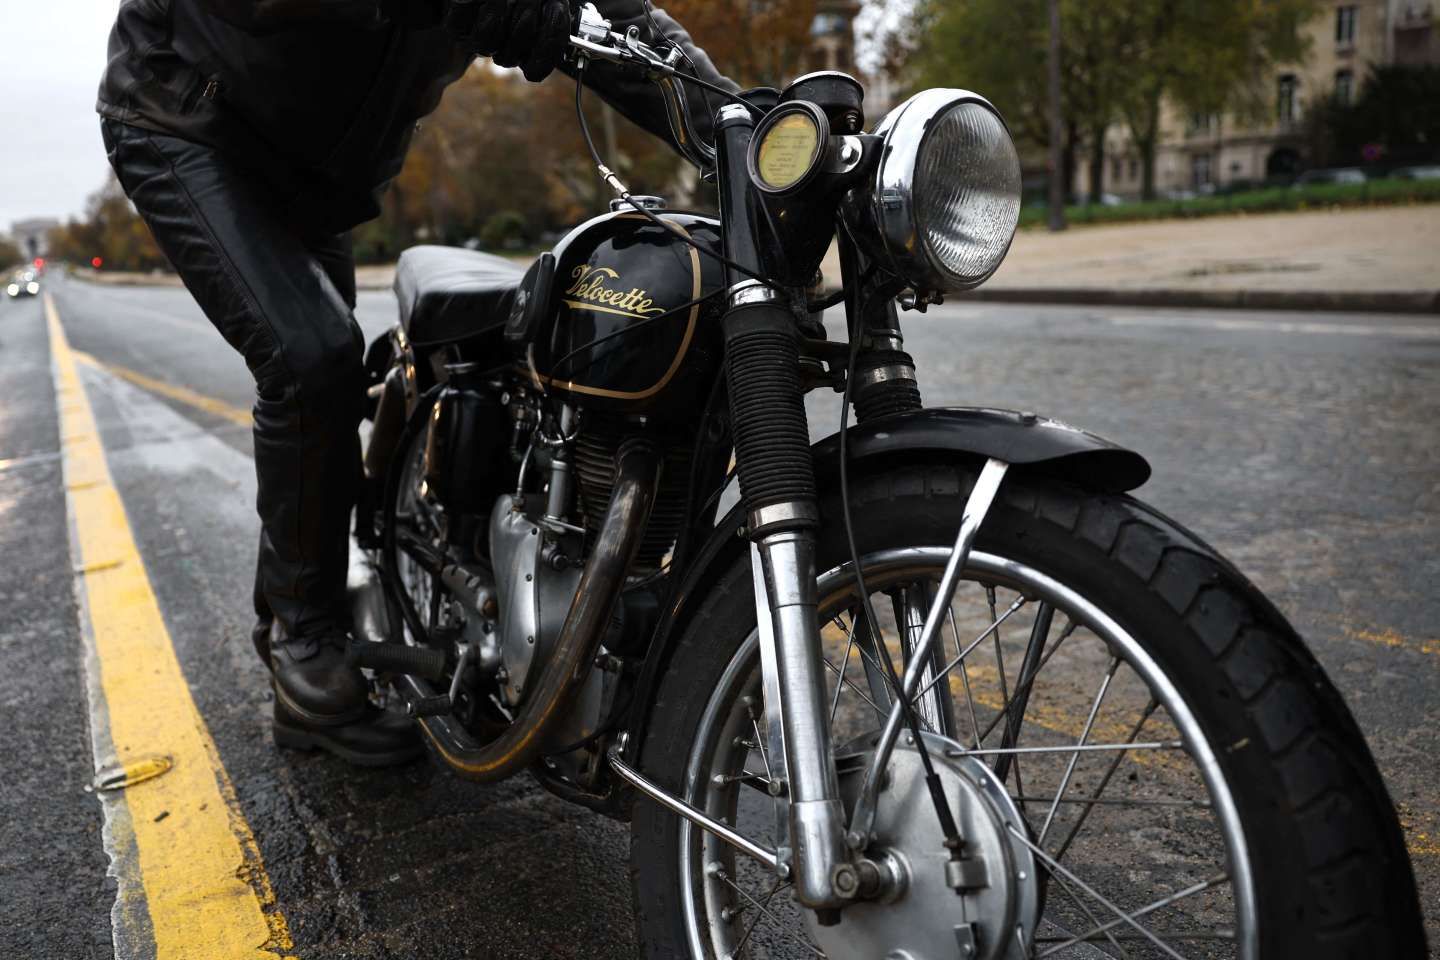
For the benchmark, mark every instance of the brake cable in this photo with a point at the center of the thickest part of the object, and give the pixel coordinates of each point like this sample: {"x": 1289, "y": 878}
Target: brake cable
{"x": 623, "y": 192}
{"x": 953, "y": 841}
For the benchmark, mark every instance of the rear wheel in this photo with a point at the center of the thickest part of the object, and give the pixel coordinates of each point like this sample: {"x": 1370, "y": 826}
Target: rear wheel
{"x": 1178, "y": 767}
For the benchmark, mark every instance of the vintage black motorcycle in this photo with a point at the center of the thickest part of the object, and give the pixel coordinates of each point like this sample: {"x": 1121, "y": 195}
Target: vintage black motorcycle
{"x": 936, "y": 687}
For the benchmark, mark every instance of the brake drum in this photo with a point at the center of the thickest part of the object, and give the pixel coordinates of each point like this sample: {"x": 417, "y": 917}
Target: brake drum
{"x": 985, "y": 909}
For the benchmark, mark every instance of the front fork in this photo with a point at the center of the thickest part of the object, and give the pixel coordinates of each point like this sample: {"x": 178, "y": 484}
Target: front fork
{"x": 777, "y": 486}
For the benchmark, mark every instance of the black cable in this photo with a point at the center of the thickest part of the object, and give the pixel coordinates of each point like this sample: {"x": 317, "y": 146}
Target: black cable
{"x": 932, "y": 781}
{"x": 825, "y": 303}
{"x": 609, "y": 177}
{"x": 657, "y": 37}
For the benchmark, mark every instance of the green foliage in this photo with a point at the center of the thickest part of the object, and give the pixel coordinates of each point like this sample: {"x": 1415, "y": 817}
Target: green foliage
{"x": 1396, "y": 116}
{"x": 504, "y": 230}
{"x": 1271, "y": 200}
{"x": 9, "y": 254}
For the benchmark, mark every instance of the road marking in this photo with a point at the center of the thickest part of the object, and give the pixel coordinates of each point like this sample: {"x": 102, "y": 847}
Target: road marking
{"x": 1395, "y": 640}
{"x": 1402, "y": 330}
{"x": 185, "y": 395}
{"x": 34, "y": 459}
{"x": 190, "y": 877}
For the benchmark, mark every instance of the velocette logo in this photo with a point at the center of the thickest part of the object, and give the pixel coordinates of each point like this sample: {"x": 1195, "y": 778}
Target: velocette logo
{"x": 599, "y": 288}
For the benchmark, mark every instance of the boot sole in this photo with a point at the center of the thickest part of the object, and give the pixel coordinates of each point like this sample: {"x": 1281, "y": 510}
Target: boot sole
{"x": 293, "y": 738}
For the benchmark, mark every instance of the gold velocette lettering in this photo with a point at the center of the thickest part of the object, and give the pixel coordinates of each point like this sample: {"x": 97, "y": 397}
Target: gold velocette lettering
{"x": 600, "y": 288}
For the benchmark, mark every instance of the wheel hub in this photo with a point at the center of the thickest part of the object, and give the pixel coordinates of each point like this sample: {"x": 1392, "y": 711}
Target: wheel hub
{"x": 924, "y": 904}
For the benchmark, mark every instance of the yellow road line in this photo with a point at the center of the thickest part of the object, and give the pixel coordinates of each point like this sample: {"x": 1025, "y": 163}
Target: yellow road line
{"x": 205, "y": 888}
{"x": 185, "y": 395}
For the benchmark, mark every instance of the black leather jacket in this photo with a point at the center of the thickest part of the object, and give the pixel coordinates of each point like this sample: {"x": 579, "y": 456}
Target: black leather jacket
{"x": 319, "y": 99}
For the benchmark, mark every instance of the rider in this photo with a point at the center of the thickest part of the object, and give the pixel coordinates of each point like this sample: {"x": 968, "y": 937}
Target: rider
{"x": 252, "y": 135}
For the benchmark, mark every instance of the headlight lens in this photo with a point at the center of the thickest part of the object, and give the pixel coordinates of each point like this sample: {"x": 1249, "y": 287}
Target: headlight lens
{"x": 32, "y": 288}
{"x": 947, "y": 195}
{"x": 13, "y": 289}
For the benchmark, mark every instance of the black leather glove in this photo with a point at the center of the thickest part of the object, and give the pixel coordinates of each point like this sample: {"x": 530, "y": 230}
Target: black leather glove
{"x": 530, "y": 34}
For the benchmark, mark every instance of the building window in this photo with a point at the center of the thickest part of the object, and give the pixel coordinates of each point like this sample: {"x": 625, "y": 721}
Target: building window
{"x": 1344, "y": 87}
{"x": 1200, "y": 170}
{"x": 1285, "y": 99}
{"x": 1345, "y": 26}
{"x": 1132, "y": 166}
{"x": 1117, "y": 169}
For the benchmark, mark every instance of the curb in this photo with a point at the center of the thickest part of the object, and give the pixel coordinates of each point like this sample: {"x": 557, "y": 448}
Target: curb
{"x": 1349, "y": 301}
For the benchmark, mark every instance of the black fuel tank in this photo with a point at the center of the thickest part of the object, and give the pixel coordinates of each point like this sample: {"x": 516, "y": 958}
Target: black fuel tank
{"x": 616, "y": 331}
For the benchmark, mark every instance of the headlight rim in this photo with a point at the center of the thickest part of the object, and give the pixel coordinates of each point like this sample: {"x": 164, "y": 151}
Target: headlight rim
{"x": 891, "y": 203}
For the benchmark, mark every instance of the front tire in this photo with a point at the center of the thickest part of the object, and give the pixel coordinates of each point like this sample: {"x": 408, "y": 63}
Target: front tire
{"x": 1292, "y": 786}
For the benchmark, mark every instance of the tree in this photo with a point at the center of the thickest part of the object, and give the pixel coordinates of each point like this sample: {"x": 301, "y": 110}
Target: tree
{"x": 1120, "y": 60}
{"x": 112, "y": 230}
{"x": 9, "y": 253}
{"x": 1394, "y": 120}
{"x": 999, "y": 49}
{"x": 498, "y": 145}
{"x": 1207, "y": 56}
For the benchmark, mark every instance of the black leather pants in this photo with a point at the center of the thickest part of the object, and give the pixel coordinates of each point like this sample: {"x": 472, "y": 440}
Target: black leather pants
{"x": 283, "y": 298}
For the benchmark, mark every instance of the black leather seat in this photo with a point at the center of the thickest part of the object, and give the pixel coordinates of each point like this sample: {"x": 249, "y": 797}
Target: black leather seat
{"x": 448, "y": 293}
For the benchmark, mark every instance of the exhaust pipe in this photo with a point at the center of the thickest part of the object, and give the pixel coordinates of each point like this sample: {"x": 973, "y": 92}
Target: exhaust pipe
{"x": 637, "y": 473}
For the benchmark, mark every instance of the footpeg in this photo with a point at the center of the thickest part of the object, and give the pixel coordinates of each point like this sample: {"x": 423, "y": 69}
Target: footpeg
{"x": 424, "y": 662}
{"x": 437, "y": 706}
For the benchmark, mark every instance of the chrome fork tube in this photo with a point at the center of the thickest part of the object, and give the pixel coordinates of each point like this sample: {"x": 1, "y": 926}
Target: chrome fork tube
{"x": 785, "y": 567}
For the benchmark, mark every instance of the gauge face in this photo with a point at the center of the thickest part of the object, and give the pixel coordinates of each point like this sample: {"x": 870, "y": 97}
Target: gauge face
{"x": 788, "y": 151}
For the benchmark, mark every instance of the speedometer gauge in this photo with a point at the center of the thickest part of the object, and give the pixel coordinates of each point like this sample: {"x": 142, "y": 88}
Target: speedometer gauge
{"x": 788, "y": 147}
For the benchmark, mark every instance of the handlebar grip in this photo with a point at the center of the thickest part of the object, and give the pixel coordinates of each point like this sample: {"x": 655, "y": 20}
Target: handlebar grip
{"x": 425, "y": 662}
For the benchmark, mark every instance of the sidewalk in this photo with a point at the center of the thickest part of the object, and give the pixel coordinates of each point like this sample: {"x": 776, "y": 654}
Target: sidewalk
{"x": 1384, "y": 259}
{"x": 1381, "y": 258}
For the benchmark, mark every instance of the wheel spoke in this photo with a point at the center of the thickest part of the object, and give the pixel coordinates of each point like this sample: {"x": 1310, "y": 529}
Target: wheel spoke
{"x": 720, "y": 874}
{"x": 759, "y": 915}
{"x": 851, "y": 684}
{"x": 1145, "y": 714}
{"x": 960, "y": 658}
{"x": 1064, "y": 635}
{"x": 1073, "y": 748}
{"x": 1089, "y": 914}
{"x": 1132, "y": 916}
{"x": 1060, "y": 869}
{"x": 844, "y": 665}
{"x": 965, "y": 680}
{"x": 1075, "y": 757}
{"x": 1015, "y": 708}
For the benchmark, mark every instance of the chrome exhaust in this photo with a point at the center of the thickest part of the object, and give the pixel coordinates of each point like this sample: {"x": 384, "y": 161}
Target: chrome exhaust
{"x": 637, "y": 475}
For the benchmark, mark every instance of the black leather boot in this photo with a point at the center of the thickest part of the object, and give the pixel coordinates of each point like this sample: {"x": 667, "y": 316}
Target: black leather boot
{"x": 378, "y": 738}
{"x": 313, "y": 680}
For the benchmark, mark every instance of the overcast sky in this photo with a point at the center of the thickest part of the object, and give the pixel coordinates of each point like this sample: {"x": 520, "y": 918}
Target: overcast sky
{"x": 50, "y": 62}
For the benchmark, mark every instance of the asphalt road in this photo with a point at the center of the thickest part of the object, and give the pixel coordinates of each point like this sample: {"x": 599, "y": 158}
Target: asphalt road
{"x": 1307, "y": 448}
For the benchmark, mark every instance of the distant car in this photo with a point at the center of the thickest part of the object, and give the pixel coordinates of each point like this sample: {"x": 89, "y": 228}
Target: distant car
{"x": 1332, "y": 175}
{"x": 1431, "y": 172}
{"x": 23, "y": 284}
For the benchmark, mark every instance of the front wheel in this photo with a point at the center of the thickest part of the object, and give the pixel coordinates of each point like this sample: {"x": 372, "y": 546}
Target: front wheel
{"x": 1182, "y": 778}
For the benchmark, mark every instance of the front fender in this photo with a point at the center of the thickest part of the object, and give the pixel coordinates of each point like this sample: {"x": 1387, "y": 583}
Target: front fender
{"x": 1033, "y": 445}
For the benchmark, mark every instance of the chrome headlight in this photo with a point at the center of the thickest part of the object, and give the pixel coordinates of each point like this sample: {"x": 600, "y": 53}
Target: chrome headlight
{"x": 946, "y": 198}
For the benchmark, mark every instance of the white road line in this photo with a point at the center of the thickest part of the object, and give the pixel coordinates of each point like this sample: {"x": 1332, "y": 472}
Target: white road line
{"x": 1399, "y": 330}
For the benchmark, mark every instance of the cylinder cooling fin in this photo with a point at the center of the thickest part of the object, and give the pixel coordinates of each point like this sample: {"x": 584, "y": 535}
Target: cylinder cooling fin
{"x": 595, "y": 451}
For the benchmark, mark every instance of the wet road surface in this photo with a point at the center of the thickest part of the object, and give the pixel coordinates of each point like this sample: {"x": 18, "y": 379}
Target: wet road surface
{"x": 1305, "y": 447}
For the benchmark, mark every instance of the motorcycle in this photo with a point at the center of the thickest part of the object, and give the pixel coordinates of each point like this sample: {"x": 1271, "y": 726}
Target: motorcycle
{"x": 937, "y": 686}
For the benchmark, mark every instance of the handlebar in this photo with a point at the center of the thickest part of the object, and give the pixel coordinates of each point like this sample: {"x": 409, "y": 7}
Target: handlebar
{"x": 595, "y": 40}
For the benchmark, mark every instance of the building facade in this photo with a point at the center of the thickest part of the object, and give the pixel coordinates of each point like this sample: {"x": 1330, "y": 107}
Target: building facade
{"x": 1200, "y": 153}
